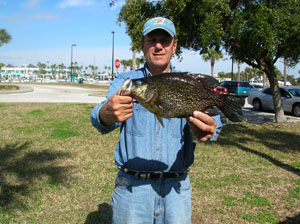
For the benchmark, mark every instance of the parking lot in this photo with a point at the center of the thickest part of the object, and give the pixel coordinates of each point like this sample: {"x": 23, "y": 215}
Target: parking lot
{"x": 69, "y": 94}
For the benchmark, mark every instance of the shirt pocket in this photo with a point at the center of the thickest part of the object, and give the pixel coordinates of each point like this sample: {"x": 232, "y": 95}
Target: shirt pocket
{"x": 136, "y": 125}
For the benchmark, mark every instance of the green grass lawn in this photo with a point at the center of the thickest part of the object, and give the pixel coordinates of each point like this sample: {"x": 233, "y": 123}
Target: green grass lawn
{"x": 56, "y": 168}
{"x": 8, "y": 87}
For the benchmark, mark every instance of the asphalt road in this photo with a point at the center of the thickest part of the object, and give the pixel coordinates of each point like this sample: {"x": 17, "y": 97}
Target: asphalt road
{"x": 67, "y": 94}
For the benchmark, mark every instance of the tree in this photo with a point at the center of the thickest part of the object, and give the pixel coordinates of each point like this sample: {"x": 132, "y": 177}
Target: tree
{"x": 255, "y": 32}
{"x": 134, "y": 13}
{"x": 1, "y": 65}
{"x": 4, "y": 37}
{"x": 125, "y": 64}
{"x": 53, "y": 69}
{"x": 140, "y": 60}
{"x": 250, "y": 73}
{"x": 41, "y": 67}
{"x": 212, "y": 55}
{"x": 93, "y": 69}
{"x": 61, "y": 68}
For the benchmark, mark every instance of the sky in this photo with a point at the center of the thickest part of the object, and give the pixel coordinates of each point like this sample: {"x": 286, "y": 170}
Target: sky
{"x": 44, "y": 30}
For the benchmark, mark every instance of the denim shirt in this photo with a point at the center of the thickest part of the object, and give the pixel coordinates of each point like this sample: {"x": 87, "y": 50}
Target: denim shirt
{"x": 144, "y": 144}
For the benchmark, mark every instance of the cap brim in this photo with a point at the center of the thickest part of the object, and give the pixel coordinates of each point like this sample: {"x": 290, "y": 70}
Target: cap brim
{"x": 158, "y": 28}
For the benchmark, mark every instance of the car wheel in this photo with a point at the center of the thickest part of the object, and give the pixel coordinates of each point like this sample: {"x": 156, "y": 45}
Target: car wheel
{"x": 296, "y": 110}
{"x": 257, "y": 105}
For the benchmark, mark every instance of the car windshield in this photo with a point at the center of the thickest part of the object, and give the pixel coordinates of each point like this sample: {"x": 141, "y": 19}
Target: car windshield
{"x": 295, "y": 92}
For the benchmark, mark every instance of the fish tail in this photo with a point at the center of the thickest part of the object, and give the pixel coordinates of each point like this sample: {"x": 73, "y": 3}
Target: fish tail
{"x": 232, "y": 107}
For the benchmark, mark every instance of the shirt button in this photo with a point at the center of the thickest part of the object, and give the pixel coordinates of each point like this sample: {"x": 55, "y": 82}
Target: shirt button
{"x": 157, "y": 149}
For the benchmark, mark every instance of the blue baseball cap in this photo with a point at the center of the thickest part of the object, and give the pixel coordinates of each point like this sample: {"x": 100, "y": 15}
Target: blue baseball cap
{"x": 159, "y": 23}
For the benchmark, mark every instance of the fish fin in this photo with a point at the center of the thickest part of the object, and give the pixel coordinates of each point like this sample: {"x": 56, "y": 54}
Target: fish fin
{"x": 177, "y": 73}
{"x": 159, "y": 120}
{"x": 164, "y": 105}
{"x": 232, "y": 107}
{"x": 207, "y": 81}
{"x": 212, "y": 111}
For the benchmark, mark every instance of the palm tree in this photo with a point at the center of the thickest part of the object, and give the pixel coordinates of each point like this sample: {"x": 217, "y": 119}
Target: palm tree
{"x": 239, "y": 69}
{"x": 60, "y": 68}
{"x": 42, "y": 67}
{"x": 212, "y": 55}
{"x": 284, "y": 70}
{"x": 4, "y": 37}
{"x": 92, "y": 69}
{"x": 1, "y": 65}
{"x": 123, "y": 62}
{"x": 140, "y": 61}
{"x": 53, "y": 69}
{"x": 134, "y": 62}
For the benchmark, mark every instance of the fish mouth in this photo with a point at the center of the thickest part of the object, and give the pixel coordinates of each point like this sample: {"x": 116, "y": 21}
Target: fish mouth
{"x": 126, "y": 87}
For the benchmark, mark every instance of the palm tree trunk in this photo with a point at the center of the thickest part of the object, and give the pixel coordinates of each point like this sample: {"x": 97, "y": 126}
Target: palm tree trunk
{"x": 212, "y": 65}
{"x": 239, "y": 71}
{"x": 284, "y": 71}
{"x": 133, "y": 59}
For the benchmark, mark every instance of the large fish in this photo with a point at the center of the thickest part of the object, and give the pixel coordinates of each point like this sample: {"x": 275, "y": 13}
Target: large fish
{"x": 173, "y": 95}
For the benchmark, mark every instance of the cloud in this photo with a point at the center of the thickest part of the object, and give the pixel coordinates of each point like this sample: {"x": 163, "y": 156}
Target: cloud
{"x": 23, "y": 17}
{"x": 44, "y": 16}
{"x": 29, "y": 4}
{"x": 75, "y": 3}
{"x": 14, "y": 18}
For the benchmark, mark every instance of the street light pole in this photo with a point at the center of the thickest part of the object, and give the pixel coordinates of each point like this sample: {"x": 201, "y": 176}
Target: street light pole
{"x": 231, "y": 68}
{"x": 73, "y": 45}
{"x": 112, "y": 60}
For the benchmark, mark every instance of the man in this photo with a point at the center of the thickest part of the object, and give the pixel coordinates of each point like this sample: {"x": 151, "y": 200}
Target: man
{"x": 153, "y": 184}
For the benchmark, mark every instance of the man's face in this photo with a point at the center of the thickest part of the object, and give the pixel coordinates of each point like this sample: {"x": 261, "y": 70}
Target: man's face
{"x": 158, "y": 47}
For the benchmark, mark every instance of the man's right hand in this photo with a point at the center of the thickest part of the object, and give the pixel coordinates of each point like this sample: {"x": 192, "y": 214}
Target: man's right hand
{"x": 117, "y": 109}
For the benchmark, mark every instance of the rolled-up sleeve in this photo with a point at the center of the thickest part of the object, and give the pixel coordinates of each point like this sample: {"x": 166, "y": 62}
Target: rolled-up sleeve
{"x": 103, "y": 129}
{"x": 116, "y": 84}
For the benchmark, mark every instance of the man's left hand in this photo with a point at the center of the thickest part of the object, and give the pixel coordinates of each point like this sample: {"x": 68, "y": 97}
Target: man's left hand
{"x": 202, "y": 125}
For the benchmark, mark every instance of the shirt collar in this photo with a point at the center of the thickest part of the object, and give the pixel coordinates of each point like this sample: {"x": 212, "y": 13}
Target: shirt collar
{"x": 147, "y": 72}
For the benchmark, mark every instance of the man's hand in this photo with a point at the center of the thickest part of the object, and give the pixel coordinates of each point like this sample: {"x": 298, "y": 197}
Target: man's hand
{"x": 117, "y": 109}
{"x": 202, "y": 125}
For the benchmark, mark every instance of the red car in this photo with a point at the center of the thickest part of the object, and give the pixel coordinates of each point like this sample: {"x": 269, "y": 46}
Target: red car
{"x": 220, "y": 89}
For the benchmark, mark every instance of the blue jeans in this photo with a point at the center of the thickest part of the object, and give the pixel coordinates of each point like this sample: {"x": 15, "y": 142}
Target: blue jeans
{"x": 142, "y": 201}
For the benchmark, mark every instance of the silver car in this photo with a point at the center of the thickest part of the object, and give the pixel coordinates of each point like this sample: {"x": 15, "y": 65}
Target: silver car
{"x": 263, "y": 100}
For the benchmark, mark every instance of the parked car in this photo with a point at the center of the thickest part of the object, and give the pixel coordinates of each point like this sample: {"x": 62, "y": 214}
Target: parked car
{"x": 240, "y": 88}
{"x": 263, "y": 100}
{"x": 220, "y": 89}
{"x": 255, "y": 86}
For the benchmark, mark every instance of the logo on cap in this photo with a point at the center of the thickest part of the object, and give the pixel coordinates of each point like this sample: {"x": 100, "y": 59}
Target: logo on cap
{"x": 158, "y": 20}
